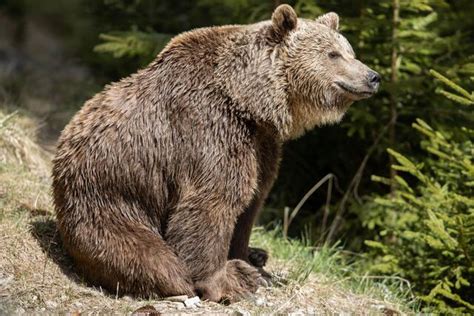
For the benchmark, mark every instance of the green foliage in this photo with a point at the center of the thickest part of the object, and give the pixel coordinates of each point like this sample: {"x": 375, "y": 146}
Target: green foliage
{"x": 297, "y": 259}
{"x": 418, "y": 38}
{"x": 147, "y": 45}
{"x": 132, "y": 43}
{"x": 426, "y": 225}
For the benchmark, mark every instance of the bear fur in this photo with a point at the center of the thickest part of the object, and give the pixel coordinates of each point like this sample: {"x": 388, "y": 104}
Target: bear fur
{"x": 158, "y": 179}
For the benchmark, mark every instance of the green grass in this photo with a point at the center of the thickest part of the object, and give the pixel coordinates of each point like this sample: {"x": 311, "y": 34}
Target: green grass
{"x": 334, "y": 266}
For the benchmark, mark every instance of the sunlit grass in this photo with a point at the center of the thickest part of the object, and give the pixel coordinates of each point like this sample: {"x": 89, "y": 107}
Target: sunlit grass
{"x": 332, "y": 265}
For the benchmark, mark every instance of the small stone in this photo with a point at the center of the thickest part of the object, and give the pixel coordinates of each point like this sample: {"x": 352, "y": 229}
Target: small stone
{"x": 193, "y": 302}
{"x": 147, "y": 310}
{"x": 260, "y": 301}
{"x": 127, "y": 298}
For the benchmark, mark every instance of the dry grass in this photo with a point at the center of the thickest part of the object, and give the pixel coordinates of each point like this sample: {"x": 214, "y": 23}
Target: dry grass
{"x": 18, "y": 146}
{"x": 37, "y": 276}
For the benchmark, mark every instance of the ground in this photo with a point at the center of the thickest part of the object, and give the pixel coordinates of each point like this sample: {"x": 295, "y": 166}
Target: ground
{"x": 37, "y": 276}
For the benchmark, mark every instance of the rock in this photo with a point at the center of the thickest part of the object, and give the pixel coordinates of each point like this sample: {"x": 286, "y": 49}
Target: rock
{"x": 260, "y": 301}
{"x": 127, "y": 298}
{"x": 192, "y": 302}
{"x": 146, "y": 310}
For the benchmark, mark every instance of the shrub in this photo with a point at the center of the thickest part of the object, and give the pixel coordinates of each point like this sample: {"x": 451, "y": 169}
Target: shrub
{"x": 426, "y": 225}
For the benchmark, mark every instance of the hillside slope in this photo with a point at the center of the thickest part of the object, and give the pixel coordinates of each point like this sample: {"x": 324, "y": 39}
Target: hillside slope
{"x": 37, "y": 276}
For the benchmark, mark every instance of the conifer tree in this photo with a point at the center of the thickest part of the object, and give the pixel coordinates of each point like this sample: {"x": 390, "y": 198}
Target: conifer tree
{"x": 426, "y": 228}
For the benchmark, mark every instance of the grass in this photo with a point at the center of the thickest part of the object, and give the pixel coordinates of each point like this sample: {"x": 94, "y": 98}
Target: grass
{"x": 36, "y": 276}
{"x": 337, "y": 271}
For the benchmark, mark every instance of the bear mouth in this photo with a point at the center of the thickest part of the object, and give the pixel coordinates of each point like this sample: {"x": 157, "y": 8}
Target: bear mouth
{"x": 359, "y": 93}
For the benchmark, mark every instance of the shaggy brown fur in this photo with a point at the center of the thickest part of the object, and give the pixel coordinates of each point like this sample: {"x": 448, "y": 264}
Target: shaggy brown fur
{"x": 158, "y": 179}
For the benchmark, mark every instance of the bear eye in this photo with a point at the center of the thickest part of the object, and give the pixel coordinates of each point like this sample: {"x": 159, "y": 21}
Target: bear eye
{"x": 334, "y": 55}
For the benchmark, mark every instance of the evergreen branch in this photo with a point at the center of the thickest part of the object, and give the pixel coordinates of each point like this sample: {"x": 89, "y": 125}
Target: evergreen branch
{"x": 379, "y": 179}
{"x": 131, "y": 43}
{"x": 457, "y": 98}
{"x": 451, "y": 84}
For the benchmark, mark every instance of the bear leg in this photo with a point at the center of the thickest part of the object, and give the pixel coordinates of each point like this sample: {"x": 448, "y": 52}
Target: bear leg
{"x": 239, "y": 247}
{"x": 126, "y": 258}
{"x": 200, "y": 230}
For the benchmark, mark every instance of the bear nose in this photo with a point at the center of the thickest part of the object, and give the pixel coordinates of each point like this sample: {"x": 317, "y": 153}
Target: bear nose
{"x": 374, "y": 79}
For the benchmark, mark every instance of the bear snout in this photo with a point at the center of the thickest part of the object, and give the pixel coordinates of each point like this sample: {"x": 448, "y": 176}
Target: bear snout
{"x": 373, "y": 80}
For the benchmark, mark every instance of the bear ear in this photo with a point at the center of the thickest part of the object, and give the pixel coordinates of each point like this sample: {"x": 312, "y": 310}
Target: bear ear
{"x": 284, "y": 19}
{"x": 330, "y": 19}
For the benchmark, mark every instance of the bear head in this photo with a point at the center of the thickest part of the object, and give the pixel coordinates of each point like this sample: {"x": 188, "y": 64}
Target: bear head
{"x": 323, "y": 75}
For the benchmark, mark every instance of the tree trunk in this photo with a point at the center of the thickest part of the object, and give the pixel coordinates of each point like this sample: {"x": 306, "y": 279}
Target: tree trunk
{"x": 393, "y": 83}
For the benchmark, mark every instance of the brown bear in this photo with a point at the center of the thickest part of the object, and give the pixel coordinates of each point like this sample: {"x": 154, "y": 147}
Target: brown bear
{"x": 158, "y": 178}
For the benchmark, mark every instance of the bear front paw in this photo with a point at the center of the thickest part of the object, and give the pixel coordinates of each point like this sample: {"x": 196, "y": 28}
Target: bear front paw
{"x": 242, "y": 280}
{"x": 258, "y": 257}
{"x": 237, "y": 280}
